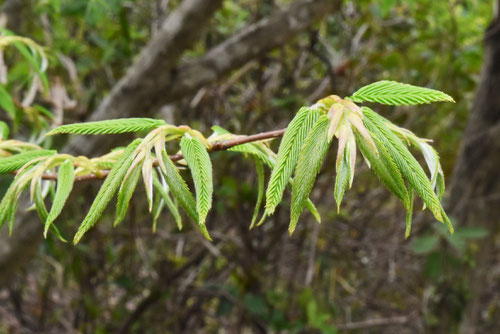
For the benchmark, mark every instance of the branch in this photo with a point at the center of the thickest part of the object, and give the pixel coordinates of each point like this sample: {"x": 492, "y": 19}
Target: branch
{"x": 400, "y": 320}
{"x": 142, "y": 91}
{"x": 217, "y": 146}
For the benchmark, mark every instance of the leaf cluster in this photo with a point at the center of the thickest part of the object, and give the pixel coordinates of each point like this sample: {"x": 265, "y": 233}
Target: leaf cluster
{"x": 305, "y": 145}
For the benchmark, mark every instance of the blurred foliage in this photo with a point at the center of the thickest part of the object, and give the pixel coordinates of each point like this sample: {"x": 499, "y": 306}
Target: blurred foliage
{"x": 355, "y": 266}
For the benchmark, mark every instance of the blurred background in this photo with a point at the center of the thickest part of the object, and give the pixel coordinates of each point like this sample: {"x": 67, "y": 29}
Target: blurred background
{"x": 248, "y": 65}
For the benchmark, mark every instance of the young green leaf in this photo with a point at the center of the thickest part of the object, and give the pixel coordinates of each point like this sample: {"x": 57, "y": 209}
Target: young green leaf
{"x": 384, "y": 167}
{"x": 395, "y": 93}
{"x": 260, "y": 190}
{"x": 162, "y": 189}
{"x": 409, "y": 167}
{"x": 108, "y": 189}
{"x": 43, "y": 213}
{"x": 113, "y": 126}
{"x": 147, "y": 176}
{"x": 288, "y": 155}
{"x": 409, "y": 214}
{"x": 158, "y": 206}
{"x": 125, "y": 194}
{"x": 65, "y": 179}
{"x": 16, "y": 161}
{"x": 309, "y": 163}
{"x": 342, "y": 178}
{"x": 4, "y": 131}
{"x": 6, "y": 102}
{"x": 199, "y": 163}
{"x": 181, "y": 191}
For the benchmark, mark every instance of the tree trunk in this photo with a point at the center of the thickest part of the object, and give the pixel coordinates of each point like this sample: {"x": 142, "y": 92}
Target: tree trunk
{"x": 475, "y": 188}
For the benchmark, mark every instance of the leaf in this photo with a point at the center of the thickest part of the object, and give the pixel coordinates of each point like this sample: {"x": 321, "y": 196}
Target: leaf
{"x": 162, "y": 189}
{"x": 43, "y": 213}
{"x": 147, "y": 176}
{"x": 4, "y": 131}
{"x": 342, "y": 179}
{"x": 310, "y": 160}
{"x": 407, "y": 164}
{"x": 65, "y": 179}
{"x": 158, "y": 206}
{"x": 425, "y": 244}
{"x": 125, "y": 194}
{"x": 395, "y": 93}
{"x": 108, "y": 189}
{"x": 260, "y": 190}
{"x": 384, "y": 168}
{"x": 409, "y": 215}
{"x": 472, "y": 232}
{"x": 16, "y": 161}
{"x": 288, "y": 155}
{"x": 199, "y": 163}
{"x": 6, "y": 102}
{"x": 113, "y": 126}
{"x": 254, "y": 150}
{"x": 180, "y": 190}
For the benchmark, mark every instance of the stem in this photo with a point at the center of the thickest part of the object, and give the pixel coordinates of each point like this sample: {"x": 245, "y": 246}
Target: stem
{"x": 217, "y": 146}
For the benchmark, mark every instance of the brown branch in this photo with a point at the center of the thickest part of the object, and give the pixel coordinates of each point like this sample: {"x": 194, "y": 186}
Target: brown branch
{"x": 217, "y": 146}
{"x": 378, "y": 322}
{"x": 145, "y": 88}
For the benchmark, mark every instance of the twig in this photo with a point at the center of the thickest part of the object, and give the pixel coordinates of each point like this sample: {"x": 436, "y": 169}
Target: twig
{"x": 400, "y": 320}
{"x": 217, "y": 146}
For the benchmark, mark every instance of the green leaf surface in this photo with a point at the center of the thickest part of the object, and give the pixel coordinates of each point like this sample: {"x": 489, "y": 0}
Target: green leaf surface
{"x": 288, "y": 155}
{"x": 6, "y": 102}
{"x": 4, "y": 131}
{"x": 125, "y": 193}
{"x": 180, "y": 190}
{"x": 43, "y": 213}
{"x": 342, "y": 179}
{"x": 425, "y": 244}
{"x": 65, "y": 179}
{"x": 199, "y": 163}
{"x": 260, "y": 190}
{"x": 108, "y": 189}
{"x": 396, "y": 93}
{"x": 114, "y": 126}
{"x": 16, "y": 161}
{"x": 384, "y": 167}
{"x": 308, "y": 166}
{"x": 407, "y": 164}
{"x": 172, "y": 207}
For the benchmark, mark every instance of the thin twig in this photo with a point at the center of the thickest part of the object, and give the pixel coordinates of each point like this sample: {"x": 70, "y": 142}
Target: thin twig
{"x": 217, "y": 146}
{"x": 399, "y": 320}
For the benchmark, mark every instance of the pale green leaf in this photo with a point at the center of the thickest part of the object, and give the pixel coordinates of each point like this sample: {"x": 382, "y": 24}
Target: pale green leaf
{"x": 260, "y": 190}
{"x": 342, "y": 178}
{"x": 4, "y": 131}
{"x": 113, "y": 126}
{"x": 43, "y": 213}
{"x": 147, "y": 177}
{"x": 65, "y": 179}
{"x": 163, "y": 190}
{"x": 288, "y": 155}
{"x": 308, "y": 166}
{"x": 407, "y": 164}
{"x": 395, "y": 93}
{"x": 384, "y": 167}
{"x": 409, "y": 214}
{"x": 16, "y": 161}
{"x": 125, "y": 194}
{"x": 199, "y": 163}
{"x": 180, "y": 190}
{"x": 108, "y": 189}
{"x": 6, "y": 102}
